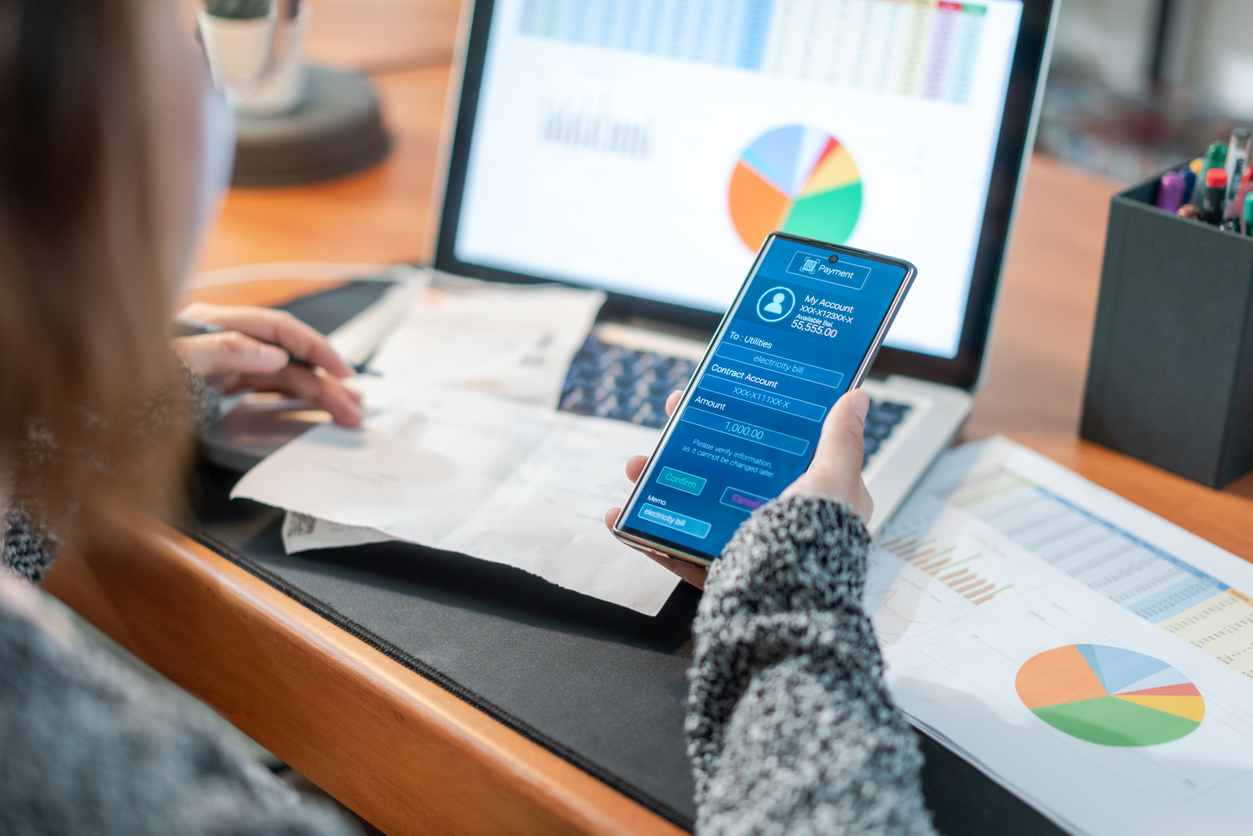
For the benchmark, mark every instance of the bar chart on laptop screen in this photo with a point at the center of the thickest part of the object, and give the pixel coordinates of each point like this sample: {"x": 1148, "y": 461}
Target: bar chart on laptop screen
{"x": 912, "y": 47}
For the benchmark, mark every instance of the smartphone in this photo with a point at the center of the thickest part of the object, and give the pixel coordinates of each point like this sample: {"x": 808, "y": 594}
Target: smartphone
{"x": 804, "y": 329}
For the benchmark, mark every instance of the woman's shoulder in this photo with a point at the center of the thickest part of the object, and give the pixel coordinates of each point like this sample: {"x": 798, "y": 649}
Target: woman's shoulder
{"x": 91, "y": 747}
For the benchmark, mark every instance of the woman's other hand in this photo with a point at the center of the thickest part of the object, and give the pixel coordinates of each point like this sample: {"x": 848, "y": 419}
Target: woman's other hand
{"x": 253, "y": 350}
{"x": 835, "y": 471}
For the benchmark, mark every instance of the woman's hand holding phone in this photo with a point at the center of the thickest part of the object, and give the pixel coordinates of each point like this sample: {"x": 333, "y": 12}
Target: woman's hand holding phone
{"x": 835, "y": 471}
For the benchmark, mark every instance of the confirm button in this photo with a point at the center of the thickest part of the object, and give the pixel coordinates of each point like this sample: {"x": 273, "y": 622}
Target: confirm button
{"x": 681, "y": 481}
{"x": 679, "y": 522}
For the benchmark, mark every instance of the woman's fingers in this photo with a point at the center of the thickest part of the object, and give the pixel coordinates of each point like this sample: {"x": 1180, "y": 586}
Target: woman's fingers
{"x": 277, "y": 327}
{"x": 216, "y": 355}
{"x": 321, "y": 390}
{"x": 843, "y": 440}
{"x": 690, "y": 572}
{"x": 836, "y": 468}
{"x": 672, "y": 402}
{"x": 635, "y": 466}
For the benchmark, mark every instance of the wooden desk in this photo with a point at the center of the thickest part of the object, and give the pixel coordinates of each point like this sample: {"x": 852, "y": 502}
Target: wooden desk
{"x": 407, "y": 755}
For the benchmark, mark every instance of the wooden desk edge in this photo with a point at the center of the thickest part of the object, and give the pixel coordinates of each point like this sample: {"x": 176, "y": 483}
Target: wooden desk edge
{"x": 291, "y": 673}
{"x": 151, "y": 589}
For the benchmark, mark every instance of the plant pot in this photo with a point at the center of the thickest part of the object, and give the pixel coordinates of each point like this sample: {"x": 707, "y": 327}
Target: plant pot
{"x": 238, "y": 50}
{"x": 283, "y": 87}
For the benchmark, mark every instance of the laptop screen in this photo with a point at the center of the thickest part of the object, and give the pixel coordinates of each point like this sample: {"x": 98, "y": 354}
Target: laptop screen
{"x": 647, "y": 147}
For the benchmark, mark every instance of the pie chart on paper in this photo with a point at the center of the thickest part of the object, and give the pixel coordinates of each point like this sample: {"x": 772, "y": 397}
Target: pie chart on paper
{"x": 1109, "y": 695}
{"x": 795, "y": 179}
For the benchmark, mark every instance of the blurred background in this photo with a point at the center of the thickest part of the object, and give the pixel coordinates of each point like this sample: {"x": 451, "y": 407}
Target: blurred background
{"x": 1137, "y": 86}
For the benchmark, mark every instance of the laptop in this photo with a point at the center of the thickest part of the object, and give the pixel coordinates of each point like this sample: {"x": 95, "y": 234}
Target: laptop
{"x": 647, "y": 147}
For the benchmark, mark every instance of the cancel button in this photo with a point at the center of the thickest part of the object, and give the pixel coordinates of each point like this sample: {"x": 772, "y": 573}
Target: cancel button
{"x": 743, "y": 500}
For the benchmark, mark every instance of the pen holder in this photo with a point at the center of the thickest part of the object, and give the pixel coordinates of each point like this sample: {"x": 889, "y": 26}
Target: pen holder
{"x": 1170, "y": 377}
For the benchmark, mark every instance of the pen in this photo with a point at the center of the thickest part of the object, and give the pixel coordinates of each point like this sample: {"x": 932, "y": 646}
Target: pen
{"x": 1189, "y": 179}
{"x": 1215, "y": 157}
{"x": 1237, "y": 159}
{"x": 1215, "y": 196}
{"x": 1235, "y": 205}
{"x": 184, "y": 327}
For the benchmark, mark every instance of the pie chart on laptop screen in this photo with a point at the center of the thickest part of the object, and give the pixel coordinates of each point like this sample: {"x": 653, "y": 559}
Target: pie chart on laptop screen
{"x": 795, "y": 179}
{"x": 1109, "y": 695}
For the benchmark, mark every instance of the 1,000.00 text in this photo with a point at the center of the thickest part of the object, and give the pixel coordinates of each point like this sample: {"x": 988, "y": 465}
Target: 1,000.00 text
{"x": 745, "y": 430}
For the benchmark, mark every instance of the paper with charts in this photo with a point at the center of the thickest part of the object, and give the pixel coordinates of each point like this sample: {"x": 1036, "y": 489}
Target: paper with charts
{"x": 483, "y": 475}
{"x": 1088, "y": 655}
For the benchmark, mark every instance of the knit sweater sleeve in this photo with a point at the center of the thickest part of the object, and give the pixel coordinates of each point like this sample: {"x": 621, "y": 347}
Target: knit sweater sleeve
{"x": 27, "y": 545}
{"x": 86, "y": 746}
{"x": 790, "y": 726}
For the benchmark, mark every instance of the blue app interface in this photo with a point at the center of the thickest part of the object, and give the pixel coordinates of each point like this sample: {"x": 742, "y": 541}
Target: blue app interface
{"x": 788, "y": 352}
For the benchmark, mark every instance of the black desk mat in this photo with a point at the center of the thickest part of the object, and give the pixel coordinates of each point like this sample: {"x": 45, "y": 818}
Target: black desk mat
{"x": 597, "y": 684}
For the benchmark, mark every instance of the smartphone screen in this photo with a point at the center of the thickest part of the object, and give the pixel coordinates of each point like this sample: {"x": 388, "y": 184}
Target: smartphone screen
{"x": 807, "y": 318}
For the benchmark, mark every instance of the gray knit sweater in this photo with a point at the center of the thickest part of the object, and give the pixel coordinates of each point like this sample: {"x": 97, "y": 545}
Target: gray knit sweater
{"x": 88, "y": 748}
{"x": 790, "y": 728}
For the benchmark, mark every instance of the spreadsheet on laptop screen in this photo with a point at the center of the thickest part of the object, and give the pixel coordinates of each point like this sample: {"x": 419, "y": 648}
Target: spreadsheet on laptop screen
{"x": 648, "y": 146}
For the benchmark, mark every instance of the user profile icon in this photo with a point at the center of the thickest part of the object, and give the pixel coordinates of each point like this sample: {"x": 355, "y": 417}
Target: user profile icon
{"x": 775, "y": 303}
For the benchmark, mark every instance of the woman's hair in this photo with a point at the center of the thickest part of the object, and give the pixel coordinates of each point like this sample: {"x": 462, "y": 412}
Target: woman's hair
{"x": 84, "y": 299}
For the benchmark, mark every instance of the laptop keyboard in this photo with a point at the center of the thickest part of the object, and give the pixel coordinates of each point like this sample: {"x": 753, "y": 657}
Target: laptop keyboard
{"x": 624, "y": 384}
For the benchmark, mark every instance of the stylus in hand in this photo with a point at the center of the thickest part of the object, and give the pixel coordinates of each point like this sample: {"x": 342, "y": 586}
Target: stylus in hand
{"x": 183, "y": 327}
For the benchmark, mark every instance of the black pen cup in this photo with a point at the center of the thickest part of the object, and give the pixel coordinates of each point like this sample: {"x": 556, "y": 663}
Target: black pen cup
{"x": 1170, "y": 377}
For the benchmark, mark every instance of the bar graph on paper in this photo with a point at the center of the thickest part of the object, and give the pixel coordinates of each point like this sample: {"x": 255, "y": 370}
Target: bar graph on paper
{"x": 931, "y": 568}
{"x": 923, "y": 48}
{"x": 955, "y": 571}
{"x": 979, "y": 540}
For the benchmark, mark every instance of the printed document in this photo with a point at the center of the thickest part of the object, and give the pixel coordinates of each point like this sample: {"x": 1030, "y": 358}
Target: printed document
{"x": 493, "y": 478}
{"x": 1088, "y": 655}
{"x": 511, "y": 340}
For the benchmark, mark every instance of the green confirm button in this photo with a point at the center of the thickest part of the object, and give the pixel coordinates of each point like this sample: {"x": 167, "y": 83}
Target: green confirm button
{"x": 681, "y": 481}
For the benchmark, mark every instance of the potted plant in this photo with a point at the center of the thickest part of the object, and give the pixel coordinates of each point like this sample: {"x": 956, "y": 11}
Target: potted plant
{"x": 283, "y": 86}
{"x": 238, "y": 37}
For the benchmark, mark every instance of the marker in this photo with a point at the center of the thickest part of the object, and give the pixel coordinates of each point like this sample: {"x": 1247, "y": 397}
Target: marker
{"x": 1248, "y": 214}
{"x": 1237, "y": 160}
{"x": 1215, "y": 157}
{"x": 1195, "y": 165}
{"x": 1235, "y": 205}
{"x": 184, "y": 327}
{"x": 1215, "y": 196}
{"x": 1170, "y": 191}
{"x": 1189, "y": 178}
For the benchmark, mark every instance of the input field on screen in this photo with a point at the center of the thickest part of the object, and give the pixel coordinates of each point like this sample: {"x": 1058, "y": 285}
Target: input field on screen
{"x": 761, "y": 397}
{"x": 780, "y": 365}
{"x": 746, "y": 431}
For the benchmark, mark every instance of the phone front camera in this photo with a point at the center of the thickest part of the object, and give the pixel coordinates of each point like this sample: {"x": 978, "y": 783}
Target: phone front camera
{"x": 834, "y": 258}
